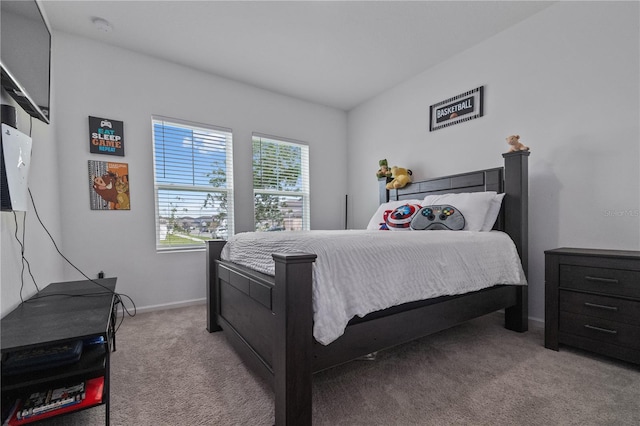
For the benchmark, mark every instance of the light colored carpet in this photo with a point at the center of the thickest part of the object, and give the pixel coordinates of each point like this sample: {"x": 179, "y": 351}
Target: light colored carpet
{"x": 168, "y": 370}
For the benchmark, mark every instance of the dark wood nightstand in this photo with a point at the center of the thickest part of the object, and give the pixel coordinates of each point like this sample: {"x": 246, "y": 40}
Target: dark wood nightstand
{"x": 592, "y": 301}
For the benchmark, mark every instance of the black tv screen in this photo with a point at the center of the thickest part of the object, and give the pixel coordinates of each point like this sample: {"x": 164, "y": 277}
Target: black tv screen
{"x": 25, "y": 56}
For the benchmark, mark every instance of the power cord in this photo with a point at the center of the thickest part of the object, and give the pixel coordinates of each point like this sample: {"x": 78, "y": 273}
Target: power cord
{"x": 118, "y": 296}
{"x": 23, "y": 258}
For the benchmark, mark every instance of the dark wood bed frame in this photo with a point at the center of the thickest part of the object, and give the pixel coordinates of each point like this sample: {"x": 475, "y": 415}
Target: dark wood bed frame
{"x": 269, "y": 320}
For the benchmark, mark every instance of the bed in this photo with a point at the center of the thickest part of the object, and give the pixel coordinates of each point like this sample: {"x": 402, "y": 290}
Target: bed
{"x": 269, "y": 319}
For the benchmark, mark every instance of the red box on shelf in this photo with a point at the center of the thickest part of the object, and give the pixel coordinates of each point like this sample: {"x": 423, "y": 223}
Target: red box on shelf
{"x": 93, "y": 396}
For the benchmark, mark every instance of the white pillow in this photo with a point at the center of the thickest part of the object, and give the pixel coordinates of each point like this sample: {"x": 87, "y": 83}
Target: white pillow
{"x": 492, "y": 214}
{"x": 474, "y": 206}
{"x": 378, "y": 217}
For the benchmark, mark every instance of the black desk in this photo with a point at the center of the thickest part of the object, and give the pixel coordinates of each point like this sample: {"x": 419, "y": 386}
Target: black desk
{"x": 62, "y": 312}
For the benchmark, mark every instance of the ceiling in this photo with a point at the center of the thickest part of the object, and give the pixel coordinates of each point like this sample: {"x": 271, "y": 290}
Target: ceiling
{"x": 335, "y": 53}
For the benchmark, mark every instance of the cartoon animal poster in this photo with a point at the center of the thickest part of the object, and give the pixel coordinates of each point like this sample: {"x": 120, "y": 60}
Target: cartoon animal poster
{"x": 109, "y": 185}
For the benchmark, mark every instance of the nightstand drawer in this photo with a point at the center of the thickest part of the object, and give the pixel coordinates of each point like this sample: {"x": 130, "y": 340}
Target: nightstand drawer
{"x": 616, "y": 282}
{"x": 600, "y": 329}
{"x": 611, "y": 308}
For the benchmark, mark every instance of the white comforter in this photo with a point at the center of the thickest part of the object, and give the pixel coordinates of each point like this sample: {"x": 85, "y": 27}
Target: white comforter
{"x": 359, "y": 272}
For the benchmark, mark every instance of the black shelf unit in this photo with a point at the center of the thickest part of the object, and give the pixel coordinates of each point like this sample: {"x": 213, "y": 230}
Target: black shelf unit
{"x": 62, "y": 312}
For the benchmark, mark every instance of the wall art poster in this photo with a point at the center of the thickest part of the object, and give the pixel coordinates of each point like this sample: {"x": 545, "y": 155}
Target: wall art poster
{"x": 109, "y": 185}
{"x": 106, "y": 136}
{"x": 458, "y": 109}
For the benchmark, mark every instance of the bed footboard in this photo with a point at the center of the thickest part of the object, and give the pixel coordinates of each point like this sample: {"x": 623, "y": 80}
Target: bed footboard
{"x": 292, "y": 356}
{"x": 270, "y": 324}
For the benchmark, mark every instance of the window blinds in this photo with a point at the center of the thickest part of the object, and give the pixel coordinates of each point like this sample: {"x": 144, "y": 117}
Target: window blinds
{"x": 193, "y": 183}
{"x": 280, "y": 184}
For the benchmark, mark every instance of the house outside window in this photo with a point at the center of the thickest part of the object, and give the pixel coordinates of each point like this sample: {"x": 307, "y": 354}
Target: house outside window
{"x": 193, "y": 182}
{"x": 280, "y": 184}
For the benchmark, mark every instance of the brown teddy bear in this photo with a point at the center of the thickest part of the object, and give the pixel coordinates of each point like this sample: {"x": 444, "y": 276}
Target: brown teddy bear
{"x": 401, "y": 177}
{"x": 515, "y": 145}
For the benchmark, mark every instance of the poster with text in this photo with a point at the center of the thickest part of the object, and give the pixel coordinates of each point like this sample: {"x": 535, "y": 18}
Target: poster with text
{"x": 458, "y": 109}
{"x": 109, "y": 185}
{"x": 106, "y": 136}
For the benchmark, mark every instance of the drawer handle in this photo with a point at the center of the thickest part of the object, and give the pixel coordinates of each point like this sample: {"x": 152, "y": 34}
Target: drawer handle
{"x": 604, "y": 330}
{"x": 601, "y": 280}
{"x": 594, "y": 305}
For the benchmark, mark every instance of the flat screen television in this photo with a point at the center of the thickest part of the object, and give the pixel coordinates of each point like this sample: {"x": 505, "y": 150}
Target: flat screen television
{"x": 25, "y": 56}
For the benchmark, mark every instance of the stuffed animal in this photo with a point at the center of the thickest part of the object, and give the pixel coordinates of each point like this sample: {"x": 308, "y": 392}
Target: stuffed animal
{"x": 514, "y": 141}
{"x": 401, "y": 177}
{"x": 383, "y": 171}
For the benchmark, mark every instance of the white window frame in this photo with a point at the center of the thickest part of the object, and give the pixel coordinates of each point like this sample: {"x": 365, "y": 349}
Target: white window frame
{"x": 198, "y": 188}
{"x": 304, "y": 191}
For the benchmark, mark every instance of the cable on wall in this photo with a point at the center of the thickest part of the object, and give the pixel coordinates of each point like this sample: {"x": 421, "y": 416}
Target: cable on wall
{"x": 23, "y": 257}
{"x": 119, "y": 296}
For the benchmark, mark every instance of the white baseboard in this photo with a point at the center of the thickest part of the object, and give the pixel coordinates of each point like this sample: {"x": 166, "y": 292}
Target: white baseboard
{"x": 533, "y": 322}
{"x": 165, "y": 306}
{"x": 536, "y": 322}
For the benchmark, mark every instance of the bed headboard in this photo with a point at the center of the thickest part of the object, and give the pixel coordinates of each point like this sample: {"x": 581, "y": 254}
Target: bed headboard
{"x": 512, "y": 179}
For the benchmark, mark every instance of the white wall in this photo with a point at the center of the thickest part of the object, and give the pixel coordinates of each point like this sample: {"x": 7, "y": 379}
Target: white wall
{"x": 566, "y": 80}
{"x": 46, "y": 264}
{"x": 99, "y": 80}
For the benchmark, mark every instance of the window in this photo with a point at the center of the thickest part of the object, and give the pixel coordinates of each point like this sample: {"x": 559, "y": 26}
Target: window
{"x": 280, "y": 184}
{"x": 193, "y": 183}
